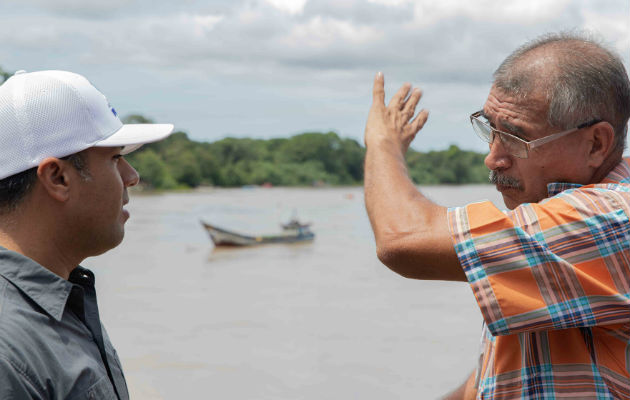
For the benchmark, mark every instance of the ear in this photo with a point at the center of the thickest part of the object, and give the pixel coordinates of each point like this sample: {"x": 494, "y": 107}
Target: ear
{"x": 602, "y": 141}
{"x": 55, "y": 176}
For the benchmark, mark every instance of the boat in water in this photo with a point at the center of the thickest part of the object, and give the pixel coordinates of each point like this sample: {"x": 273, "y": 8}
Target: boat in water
{"x": 292, "y": 232}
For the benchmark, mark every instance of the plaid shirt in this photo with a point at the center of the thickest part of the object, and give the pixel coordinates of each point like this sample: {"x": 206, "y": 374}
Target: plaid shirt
{"x": 552, "y": 280}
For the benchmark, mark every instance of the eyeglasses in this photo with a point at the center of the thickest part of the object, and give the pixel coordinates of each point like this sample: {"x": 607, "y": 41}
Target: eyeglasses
{"x": 513, "y": 144}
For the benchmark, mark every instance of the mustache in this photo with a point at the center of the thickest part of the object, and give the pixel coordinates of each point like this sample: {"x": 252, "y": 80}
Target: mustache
{"x": 504, "y": 180}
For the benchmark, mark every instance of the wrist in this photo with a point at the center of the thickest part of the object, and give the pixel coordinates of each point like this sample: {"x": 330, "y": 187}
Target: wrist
{"x": 381, "y": 141}
{"x": 385, "y": 147}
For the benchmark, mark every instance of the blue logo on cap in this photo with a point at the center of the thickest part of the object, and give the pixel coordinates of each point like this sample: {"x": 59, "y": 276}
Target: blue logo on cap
{"x": 112, "y": 109}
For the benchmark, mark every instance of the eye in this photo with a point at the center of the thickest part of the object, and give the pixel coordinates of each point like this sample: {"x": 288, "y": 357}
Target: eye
{"x": 512, "y": 138}
{"x": 518, "y": 135}
{"x": 117, "y": 157}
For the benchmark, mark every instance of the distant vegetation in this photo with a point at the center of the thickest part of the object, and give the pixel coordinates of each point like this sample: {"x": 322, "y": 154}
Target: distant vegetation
{"x": 451, "y": 166}
{"x": 302, "y": 160}
{"x": 4, "y": 75}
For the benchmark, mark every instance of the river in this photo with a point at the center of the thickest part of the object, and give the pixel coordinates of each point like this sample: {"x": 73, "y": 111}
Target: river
{"x": 324, "y": 320}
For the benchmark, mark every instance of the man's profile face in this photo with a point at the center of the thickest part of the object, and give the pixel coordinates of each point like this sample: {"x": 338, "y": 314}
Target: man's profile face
{"x": 558, "y": 161}
{"x": 99, "y": 199}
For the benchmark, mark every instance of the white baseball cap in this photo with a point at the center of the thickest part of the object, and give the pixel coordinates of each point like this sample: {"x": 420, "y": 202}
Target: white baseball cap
{"x": 58, "y": 113}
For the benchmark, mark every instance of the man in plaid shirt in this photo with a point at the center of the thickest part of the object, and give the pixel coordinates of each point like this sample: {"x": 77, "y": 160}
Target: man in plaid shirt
{"x": 551, "y": 275}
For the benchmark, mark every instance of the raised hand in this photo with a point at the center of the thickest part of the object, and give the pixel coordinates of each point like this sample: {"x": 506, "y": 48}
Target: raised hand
{"x": 394, "y": 123}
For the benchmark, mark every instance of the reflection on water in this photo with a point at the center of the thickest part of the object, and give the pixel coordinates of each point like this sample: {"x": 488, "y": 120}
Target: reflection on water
{"x": 289, "y": 321}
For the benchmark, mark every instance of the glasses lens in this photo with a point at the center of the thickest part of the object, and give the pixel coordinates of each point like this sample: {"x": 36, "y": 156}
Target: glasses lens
{"x": 510, "y": 143}
{"x": 482, "y": 130}
{"x": 513, "y": 145}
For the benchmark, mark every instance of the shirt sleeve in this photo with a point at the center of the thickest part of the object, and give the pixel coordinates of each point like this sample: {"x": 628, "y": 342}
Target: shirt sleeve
{"x": 561, "y": 263}
{"x": 14, "y": 384}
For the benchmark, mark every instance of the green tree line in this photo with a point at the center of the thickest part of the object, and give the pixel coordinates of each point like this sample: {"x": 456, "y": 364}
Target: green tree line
{"x": 305, "y": 159}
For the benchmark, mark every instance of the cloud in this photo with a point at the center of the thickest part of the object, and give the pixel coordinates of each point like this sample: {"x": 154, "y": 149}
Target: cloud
{"x": 449, "y": 41}
{"x": 288, "y": 6}
{"x": 80, "y": 8}
{"x": 321, "y": 33}
{"x": 614, "y": 28}
{"x": 489, "y": 11}
{"x": 300, "y": 50}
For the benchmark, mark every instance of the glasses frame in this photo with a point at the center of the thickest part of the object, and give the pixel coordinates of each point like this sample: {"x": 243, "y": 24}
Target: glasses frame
{"x": 528, "y": 145}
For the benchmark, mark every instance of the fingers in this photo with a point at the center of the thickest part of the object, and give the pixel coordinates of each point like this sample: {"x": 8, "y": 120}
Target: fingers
{"x": 409, "y": 107}
{"x": 378, "y": 92}
{"x": 419, "y": 121}
{"x": 400, "y": 110}
{"x": 398, "y": 101}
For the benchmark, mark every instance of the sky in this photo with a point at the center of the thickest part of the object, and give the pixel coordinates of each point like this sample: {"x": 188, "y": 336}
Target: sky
{"x": 275, "y": 68}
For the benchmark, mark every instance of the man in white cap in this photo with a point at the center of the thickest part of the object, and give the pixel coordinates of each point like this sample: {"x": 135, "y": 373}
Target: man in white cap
{"x": 63, "y": 186}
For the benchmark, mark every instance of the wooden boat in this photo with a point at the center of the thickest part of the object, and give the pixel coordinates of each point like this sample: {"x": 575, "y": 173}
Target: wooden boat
{"x": 294, "y": 231}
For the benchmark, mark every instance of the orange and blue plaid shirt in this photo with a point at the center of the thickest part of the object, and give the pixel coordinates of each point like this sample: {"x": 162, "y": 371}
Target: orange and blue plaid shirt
{"x": 552, "y": 280}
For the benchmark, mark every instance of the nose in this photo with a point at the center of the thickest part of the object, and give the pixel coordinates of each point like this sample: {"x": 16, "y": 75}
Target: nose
{"x": 128, "y": 173}
{"x": 498, "y": 158}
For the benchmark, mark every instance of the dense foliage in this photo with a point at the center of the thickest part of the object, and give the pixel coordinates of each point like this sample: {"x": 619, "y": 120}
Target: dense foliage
{"x": 301, "y": 160}
{"x": 451, "y": 166}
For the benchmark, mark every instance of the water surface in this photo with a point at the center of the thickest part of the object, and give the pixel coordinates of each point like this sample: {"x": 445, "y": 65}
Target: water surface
{"x": 316, "y": 321}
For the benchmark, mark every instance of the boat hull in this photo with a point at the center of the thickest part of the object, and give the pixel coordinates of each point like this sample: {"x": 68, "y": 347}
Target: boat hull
{"x": 223, "y": 237}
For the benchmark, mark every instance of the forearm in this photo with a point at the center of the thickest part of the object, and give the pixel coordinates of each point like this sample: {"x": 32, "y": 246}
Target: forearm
{"x": 411, "y": 232}
{"x": 397, "y": 210}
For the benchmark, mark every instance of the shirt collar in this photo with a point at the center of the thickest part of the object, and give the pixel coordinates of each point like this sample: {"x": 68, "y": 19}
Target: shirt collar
{"x": 46, "y": 289}
{"x": 619, "y": 175}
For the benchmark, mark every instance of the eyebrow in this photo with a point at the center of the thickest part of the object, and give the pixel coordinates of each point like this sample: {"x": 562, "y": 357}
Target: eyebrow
{"x": 511, "y": 128}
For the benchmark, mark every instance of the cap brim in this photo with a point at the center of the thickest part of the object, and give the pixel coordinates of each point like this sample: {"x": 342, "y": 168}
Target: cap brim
{"x": 132, "y": 136}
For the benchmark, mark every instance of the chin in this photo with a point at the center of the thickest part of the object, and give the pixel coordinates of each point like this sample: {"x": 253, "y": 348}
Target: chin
{"x": 509, "y": 202}
{"x": 119, "y": 238}
{"x": 509, "y": 205}
{"x": 110, "y": 242}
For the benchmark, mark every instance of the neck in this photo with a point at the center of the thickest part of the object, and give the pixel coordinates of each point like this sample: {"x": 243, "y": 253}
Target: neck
{"x": 608, "y": 165}
{"x": 31, "y": 234}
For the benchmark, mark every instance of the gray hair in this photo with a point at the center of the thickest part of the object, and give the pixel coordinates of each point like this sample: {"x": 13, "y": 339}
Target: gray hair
{"x": 586, "y": 81}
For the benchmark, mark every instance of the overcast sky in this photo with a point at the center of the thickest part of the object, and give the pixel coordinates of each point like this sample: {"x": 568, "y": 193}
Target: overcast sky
{"x": 274, "y": 68}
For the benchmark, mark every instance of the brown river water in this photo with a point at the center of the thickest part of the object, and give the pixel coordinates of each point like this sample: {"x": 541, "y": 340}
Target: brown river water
{"x": 323, "y": 320}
